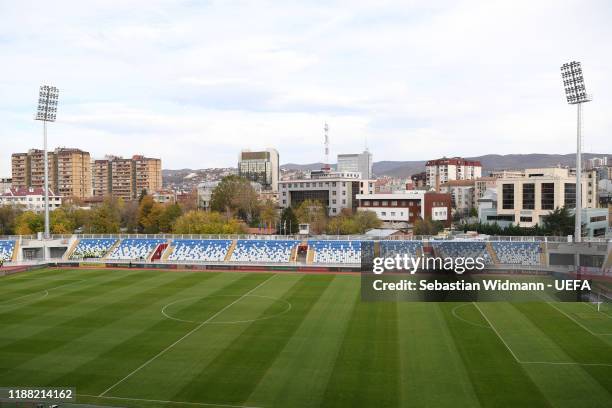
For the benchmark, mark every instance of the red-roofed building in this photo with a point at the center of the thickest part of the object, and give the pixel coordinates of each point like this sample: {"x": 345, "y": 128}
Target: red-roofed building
{"x": 32, "y": 198}
{"x": 443, "y": 170}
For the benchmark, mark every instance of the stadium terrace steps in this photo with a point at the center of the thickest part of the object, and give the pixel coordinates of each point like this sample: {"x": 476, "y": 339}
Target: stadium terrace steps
{"x": 112, "y": 249}
{"x": 70, "y": 251}
{"x": 168, "y": 251}
{"x": 336, "y": 252}
{"x": 263, "y": 250}
{"x": 543, "y": 254}
{"x": 492, "y": 254}
{"x": 230, "y": 251}
{"x": 202, "y": 250}
{"x": 16, "y": 250}
{"x": 310, "y": 255}
{"x": 92, "y": 248}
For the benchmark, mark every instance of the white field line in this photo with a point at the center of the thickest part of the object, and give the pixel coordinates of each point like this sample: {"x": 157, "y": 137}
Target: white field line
{"x": 535, "y": 362}
{"x": 198, "y": 327}
{"x": 591, "y": 305}
{"x": 465, "y": 320}
{"x": 577, "y": 322}
{"x": 207, "y": 404}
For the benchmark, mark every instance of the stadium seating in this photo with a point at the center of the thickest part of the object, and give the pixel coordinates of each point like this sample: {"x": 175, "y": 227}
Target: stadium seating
{"x": 390, "y": 249}
{"x": 199, "y": 250}
{"x": 463, "y": 249}
{"x": 336, "y": 252}
{"x": 517, "y": 253}
{"x": 6, "y": 250}
{"x": 135, "y": 249}
{"x": 258, "y": 250}
{"x": 92, "y": 248}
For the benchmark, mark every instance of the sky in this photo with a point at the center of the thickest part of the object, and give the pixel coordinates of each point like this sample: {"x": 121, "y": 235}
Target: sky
{"x": 194, "y": 82}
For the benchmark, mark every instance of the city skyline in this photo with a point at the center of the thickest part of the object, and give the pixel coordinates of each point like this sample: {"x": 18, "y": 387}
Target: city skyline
{"x": 416, "y": 82}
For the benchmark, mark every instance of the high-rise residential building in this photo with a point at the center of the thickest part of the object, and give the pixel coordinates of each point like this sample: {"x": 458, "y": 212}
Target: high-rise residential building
{"x": 261, "y": 167}
{"x": 147, "y": 175}
{"x": 122, "y": 178}
{"x": 126, "y": 178}
{"x": 358, "y": 162}
{"x": 20, "y": 170}
{"x": 101, "y": 177}
{"x": 73, "y": 173}
{"x": 69, "y": 171}
{"x": 443, "y": 170}
{"x": 596, "y": 162}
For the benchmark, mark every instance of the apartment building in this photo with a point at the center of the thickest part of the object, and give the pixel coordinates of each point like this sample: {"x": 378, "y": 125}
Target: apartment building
{"x": 126, "y": 178}
{"x": 101, "y": 177}
{"x": 440, "y": 171}
{"x": 147, "y": 175}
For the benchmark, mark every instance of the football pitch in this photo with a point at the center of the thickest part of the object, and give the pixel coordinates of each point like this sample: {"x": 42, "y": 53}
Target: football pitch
{"x": 136, "y": 338}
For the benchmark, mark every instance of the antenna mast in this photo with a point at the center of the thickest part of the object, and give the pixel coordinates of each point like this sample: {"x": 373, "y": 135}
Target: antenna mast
{"x": 326, "y": 129}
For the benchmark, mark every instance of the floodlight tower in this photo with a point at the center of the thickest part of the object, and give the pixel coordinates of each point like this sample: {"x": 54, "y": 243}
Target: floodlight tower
{"x": 47, "y": 111}
{"x": 575, "y": 92}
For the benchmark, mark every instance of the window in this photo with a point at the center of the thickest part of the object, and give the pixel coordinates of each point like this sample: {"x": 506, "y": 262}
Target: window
{"x": 529, "y": 196}
{"x": 394, "y": 203}
{"x": 548, "y": 196}
{"x": 393, "y": 213}
{"x": 526, "y": 219}
{"x": 333, "y": 201}
{"x": 375, "y": 203}
{"x": 570, "y": 195}
{"x": 384, "y": 213}
{"x": 508, "y": 196}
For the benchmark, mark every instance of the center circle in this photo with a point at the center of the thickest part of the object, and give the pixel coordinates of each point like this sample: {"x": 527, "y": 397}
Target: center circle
{"x": 188, "y": 309}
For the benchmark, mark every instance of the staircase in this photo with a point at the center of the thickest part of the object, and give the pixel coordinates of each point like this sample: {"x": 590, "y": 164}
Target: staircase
{"x": 158, "y": 252}
{"x": 70, "y": 250}
{"x": 167, "y": 252}
{"x": 543, "y": 253}
{"x": 16, "y": 250}
{"x": 376, "y": 249}
{"x": 492, "y": 253}
{"x": 310, "y": 255}
{"x": 230, "y": 250}
{"x": 110, "y": 251}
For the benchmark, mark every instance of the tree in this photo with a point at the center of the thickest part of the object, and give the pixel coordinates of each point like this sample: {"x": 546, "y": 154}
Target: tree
{"x": 203, "y": 222}
{"x": 61, "y": 221}
{"x": 8, "y": 218}
{"x": 268, "y": 213}
{"x": 106, "y": 218}
{"x": 427, "y": 227}
{"x": 289, "y": 223}
{"x": 169, "y": 216}
{"x": 129, "y": 216}
{"x": 236, "y": 197}
{"x": 28, "y": 223}
{"x": 559, "y": 222}
{"x": 352, "y": 223}
{"x": 312, "y": 212}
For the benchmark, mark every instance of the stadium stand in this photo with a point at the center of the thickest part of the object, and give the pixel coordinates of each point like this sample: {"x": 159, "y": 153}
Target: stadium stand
{"x": 517, "y": 253}
{"x": 135, "y": 249}
{"x": 336, "y": 252}
{"x": 263, "y": 250}
{"x": 392, "y": 248}
{"x": 92, "y": 248}
{"x": 204, "y": 250}
{"x": 463, "y": 249}
{"x": 6, "y": 250}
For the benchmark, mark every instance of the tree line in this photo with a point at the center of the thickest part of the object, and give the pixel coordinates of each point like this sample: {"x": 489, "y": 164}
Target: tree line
{"x": 234, "y": 206}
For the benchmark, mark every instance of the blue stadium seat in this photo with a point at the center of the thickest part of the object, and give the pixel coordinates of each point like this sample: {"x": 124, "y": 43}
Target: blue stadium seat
{"x": 389, "y": 249}
{"x": 199, "y": 250}
{"x": 517, "y": 253}
{"x": 336, "y": 252}
{"x": 259, "y": 250}
{"x": 463, "y": 249}
{"x": 6, "y": 250}
{"x": 89, "y": 248}
{"x": 135, "y": 249}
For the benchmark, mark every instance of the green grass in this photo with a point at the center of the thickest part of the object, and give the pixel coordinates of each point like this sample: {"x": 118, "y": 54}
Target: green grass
{"x": 291, "y": 340}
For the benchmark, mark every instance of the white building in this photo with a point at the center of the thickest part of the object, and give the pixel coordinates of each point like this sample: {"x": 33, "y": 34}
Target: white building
{"x": 335, "y": 190}
{"x": 261, "y": 167}
{"x": 443, "y": 170}
{"x": 462, "y": 194}
{"x": 32, "y": 199}
{"x": 5, "y": 184}
{"x": 361, "y": 162}
{"x": 526, "y": 200}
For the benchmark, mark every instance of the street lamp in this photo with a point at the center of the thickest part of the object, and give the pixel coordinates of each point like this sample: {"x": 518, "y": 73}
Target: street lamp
{"x": 47, "y": 111}
{"x": 575, "y": 92}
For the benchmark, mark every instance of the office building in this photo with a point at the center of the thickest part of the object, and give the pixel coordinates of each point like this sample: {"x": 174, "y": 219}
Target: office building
{"x": 261, "y": 167}
{"x": 335, "y": 190}
{"x": 359, "y": 162}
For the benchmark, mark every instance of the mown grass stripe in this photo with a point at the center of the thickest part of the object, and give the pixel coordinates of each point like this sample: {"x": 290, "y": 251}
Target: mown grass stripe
{"x": 366, "y": 371}
{"x": 497, "y": 378}
{"x": 231, "y": 377}
{"x": 311, "y": 352}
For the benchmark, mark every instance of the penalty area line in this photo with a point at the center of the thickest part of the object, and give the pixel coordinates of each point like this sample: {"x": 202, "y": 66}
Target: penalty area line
{"x": 198, "y": 327}
{"x": 577, "y": 322}
{"x": 204, "y": 404}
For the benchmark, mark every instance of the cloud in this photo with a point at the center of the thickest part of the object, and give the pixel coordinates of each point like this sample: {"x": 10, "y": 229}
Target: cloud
{"x": 194, "y": 83}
